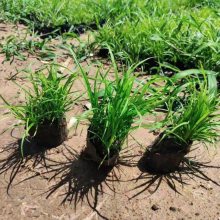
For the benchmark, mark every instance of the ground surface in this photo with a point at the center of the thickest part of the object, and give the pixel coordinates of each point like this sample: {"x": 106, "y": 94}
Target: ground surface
{"x": 58, "y": 184}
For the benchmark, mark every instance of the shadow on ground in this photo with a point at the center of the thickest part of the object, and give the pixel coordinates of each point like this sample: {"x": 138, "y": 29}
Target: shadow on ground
{"x": 190, "y": 169}
{"x": 16, "y": 155}
{"x": 78, "y": 179}
{"x": 82, "y": 180}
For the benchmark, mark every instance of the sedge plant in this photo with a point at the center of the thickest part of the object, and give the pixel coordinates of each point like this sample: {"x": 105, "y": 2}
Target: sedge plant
{"x": 15, "y": 47}
{"x": 118, "y": 106}
{"x": 46, "y": 101}
{"x": 198, "y": 119}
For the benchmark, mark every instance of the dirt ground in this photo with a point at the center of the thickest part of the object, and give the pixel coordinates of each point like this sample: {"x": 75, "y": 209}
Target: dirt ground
{"x": 58, "y": 184}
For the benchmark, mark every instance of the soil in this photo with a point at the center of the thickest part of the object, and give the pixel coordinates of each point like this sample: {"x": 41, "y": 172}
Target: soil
{"x": 50, "y": 134}
{"x": 164, "y": 155}
{"x": 95, "y": 143}
{"x": 91, "y": 152}
{"x": 58, "y": 184}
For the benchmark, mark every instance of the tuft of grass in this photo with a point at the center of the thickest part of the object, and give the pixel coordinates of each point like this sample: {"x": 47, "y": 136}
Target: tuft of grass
{"x": 15, "y": 47}
{"x": 118, "y": 105}
{"x": 198, "y": 119}
{"x": 47, "y": 100}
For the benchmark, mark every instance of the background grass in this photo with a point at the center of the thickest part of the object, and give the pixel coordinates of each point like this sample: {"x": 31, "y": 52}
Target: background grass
{"x": 183, "y": 33}
{"x": 182, "y": 37}
{"x": 48, "y": 99}
{"x": 56, "y": 14}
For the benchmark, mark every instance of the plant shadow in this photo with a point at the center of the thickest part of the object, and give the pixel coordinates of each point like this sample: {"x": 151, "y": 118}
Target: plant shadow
{"x": 82, "y": 180}
{"x": 14, "y": 162}
{"x": 190, "y": 169}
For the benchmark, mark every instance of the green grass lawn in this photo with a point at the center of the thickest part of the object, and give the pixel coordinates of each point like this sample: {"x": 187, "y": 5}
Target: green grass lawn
{"x": 180, "y": 33}
{"x": 187, "y": 39}
{"x": 55, "y": 13}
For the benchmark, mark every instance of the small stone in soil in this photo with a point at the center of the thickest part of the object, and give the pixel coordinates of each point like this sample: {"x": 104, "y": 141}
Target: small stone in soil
{"x": 173, "y": 209}
{"x": 155, "y": 207}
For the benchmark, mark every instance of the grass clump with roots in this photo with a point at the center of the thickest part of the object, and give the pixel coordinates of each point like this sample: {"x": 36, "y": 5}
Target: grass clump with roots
{"x": 197, "y": 119}
{"x": 118, "y": 105}
{"x": 46, "y": 101}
